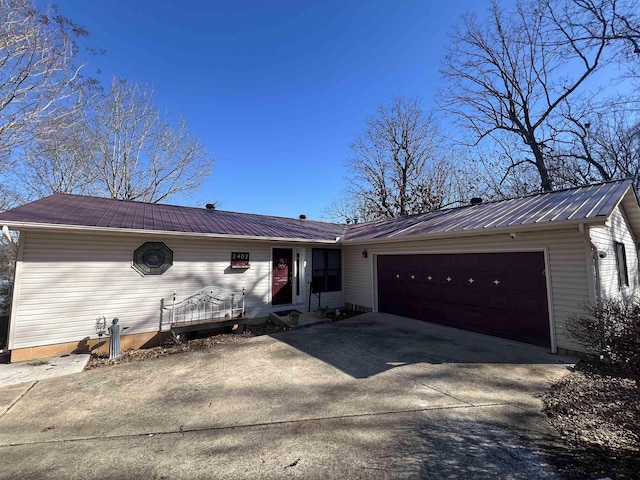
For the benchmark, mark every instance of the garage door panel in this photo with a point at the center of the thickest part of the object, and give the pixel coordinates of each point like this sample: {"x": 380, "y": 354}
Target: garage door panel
{"x": 430, "y": 313}
{"x": 452, "y": 315}
{"x": 450, "y": 295}
{"x": 529, "y": 328}
{"x": 498, "y": 302}
{"x": 450, "y": 279}
{"x": 415, "y": 293}
{"x": 501, "y": 294}
{"x": 532, "y": 333}
{"x": 492, "y": 279}
{"x": 473, "y": 263}
{"x": 431, "y": 294}
{"x": 525, "y": 282}
{"x": 472, "y": 298}
{"x": 470, "y": 278}
{"x": 525, "y": 305}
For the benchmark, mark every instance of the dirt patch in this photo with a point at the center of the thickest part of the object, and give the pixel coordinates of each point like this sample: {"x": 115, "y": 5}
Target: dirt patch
{"x": 596, "y": 409}
{"x": 344, "y": 314}
{"x": 172, "y": 347}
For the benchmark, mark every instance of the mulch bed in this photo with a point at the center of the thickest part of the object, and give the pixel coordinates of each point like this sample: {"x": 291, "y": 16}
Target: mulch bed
{"x": 172, "y": 347}
{"x": 344, "y": 314}
{"x": 596, "y": 409}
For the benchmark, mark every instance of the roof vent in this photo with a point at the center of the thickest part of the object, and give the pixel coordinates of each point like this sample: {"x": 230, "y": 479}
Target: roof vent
{"x": 348, "y": 221}
{"x": 210, "y": 206}
{"x": 476, "y": 201}
{"x": 303, "y": 217}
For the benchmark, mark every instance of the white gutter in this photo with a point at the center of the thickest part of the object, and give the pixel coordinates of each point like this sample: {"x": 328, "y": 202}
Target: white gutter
{"x": 12, "y": 244}
{"x": 134, "y": 231}
{"x": 534, "y": 227}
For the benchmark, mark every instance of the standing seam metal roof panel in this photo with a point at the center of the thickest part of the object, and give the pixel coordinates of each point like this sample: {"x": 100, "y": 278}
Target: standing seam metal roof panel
{"x": 77, "y": 210}
{"x": 564, "y": 205}
{"x": 73, "y": 210}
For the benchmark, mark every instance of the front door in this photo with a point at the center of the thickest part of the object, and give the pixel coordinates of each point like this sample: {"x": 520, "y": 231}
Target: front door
{"x": 282, "y": 276}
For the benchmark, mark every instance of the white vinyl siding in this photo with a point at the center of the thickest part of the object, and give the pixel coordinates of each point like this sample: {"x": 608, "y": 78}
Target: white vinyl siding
{"x": 332, "y": 300}
{"x": 605, "y": 238}
{"x": 357, "y": 275}
{"x": 69, "y": 279}
{"x": 567, "y": 253}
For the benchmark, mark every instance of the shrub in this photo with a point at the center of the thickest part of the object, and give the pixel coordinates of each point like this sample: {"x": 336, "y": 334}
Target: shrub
{"x": 611, "y": 329}
{"x": 5, "y": 294}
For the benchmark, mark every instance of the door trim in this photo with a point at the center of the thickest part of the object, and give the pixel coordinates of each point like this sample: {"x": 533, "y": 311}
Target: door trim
{"x": 290, "y": 271}
{"x": 302, "y": 267}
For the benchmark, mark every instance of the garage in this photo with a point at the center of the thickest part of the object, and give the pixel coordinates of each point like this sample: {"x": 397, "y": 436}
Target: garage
{"x": 502, "y": 294}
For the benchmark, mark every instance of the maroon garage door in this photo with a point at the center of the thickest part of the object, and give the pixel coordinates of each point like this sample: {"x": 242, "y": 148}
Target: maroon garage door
{"x": 501, "y": 294}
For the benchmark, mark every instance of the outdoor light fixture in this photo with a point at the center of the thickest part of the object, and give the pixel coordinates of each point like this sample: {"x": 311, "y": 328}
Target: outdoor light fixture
{"x": 364, "y": 253}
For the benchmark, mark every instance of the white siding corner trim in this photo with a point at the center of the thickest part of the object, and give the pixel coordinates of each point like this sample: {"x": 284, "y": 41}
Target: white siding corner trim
{"x": 17, "y": 281}
{"x": 552, "y": 322}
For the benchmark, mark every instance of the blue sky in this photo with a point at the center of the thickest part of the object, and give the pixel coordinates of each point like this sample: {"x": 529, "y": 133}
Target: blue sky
{"x": 276, "y": 90}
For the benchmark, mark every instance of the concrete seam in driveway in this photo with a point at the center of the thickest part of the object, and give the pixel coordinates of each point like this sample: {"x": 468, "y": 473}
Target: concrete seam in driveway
{"x": 18, "y": 398}
{"x": 183, "y": 431}
{"x": 352, "y": 400}
{"x": 395, "y": 373}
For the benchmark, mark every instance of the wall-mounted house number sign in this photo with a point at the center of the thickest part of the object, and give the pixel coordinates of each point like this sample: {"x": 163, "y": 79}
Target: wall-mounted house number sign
{"x": 239, "y": 259}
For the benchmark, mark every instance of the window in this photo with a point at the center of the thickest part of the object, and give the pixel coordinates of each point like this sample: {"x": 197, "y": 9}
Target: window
{"x": 621, "y": 258}
{"x": 152, "y": 258}
{"x": 326, "y": 270}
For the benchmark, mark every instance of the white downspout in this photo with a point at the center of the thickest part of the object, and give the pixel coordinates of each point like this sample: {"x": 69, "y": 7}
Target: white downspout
{"x": 594, "y": 280}
{"x": 7, "y": 235}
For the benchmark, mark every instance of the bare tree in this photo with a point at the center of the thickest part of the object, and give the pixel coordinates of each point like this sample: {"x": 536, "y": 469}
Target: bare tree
{"x": 120, "y": 146}
{"x": 348, "y": 208}
{"x": 57, "y": 160}
{"x": 604, "y": 144}
{"x": 136, "y": 153}
{"x": 512, "y": 76}
{"x": 586, "y": 22}
{"x": 37, "y": 70}
{"x": 393, "y": 170}
{"x": 483, "y": 173}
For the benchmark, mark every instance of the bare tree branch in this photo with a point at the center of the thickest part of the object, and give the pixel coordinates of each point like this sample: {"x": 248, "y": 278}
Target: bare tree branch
{"x": 137, "y": 153}
{"x": 394, "y": 169}
{"x": 38, "y": 76}
{"x": 516, "y": 73}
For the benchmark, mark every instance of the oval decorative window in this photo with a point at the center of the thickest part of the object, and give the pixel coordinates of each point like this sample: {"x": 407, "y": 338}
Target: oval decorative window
{"x": 152, "y": 258}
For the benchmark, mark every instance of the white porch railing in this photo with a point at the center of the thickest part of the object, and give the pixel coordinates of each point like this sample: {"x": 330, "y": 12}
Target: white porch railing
{"x": 208, "y": 303}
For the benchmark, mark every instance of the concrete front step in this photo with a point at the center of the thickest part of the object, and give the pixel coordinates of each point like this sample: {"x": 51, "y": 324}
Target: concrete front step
{"x": 306, "y": 319}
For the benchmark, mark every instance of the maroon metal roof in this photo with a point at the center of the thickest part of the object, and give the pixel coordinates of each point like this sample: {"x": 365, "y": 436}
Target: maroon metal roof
{"x": 82, "y": 211}
{"x": 577, "y": 204}
{"x": 582, "y": 203}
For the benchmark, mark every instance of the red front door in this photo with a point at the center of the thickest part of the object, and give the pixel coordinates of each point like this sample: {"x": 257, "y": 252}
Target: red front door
{"x": 282, "y": 276}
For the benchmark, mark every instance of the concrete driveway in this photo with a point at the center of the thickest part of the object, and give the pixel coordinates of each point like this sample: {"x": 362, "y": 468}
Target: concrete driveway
{"x": 376, "y": 396}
